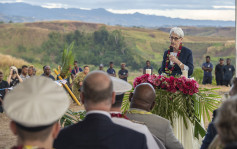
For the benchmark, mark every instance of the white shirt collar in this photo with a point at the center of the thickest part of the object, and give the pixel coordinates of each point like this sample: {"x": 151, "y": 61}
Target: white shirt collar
{"x": 98, "y": 112}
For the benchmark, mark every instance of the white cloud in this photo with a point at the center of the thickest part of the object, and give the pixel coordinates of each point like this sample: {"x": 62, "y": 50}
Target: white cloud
{"x": 54, "y": 5}
{"x": 225, "y": 7}
{"x": 224, "y": 15}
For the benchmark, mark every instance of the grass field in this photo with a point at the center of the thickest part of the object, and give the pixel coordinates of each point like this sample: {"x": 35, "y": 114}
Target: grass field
{"x": 21, "y": 40}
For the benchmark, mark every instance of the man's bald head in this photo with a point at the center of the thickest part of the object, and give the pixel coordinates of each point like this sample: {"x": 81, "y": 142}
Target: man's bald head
{"x": 97, "y": 87}
{"x": 143, "y": 97}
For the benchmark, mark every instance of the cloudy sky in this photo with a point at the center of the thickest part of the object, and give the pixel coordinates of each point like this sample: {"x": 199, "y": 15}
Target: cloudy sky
{"x": 187, "y": 9}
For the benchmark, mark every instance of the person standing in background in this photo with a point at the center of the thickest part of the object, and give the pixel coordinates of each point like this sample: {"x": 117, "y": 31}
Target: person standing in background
{"x": 111, "y": 70}
{"x": 24, "y": 73}
{"x": 77, "y": 82}
{"x": 101, "y": 67}
{"x": 75, "y": 70}
{"x": 14, "y": 78}
{"x": 123, "y": 73}
{"x": 3, "y": 90}
{"x": 219, "y": 72}
{"x": 47, "y": 72}
{"x": 148, "y": 66}
{"x": 207, "y": 68}
{"x": 31, "y": 71}
{"x": 229, "y": 71}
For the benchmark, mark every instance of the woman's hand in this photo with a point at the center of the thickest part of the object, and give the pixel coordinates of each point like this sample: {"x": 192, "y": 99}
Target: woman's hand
{"x": 178, "y": 62}
{"x": 174, "y": 59}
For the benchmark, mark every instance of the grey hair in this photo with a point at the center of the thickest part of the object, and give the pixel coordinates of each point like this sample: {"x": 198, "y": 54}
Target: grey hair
{"x": 226, "y": 120}
{"x": 178, "y": 31}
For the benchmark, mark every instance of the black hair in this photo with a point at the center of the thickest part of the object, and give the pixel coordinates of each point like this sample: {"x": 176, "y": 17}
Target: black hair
{"x": 24, "y": 66}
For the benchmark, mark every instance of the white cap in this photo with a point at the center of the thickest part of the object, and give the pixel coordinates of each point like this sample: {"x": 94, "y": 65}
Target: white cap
{"x": 120, "y": 86}
{"x": 36, "y": 102}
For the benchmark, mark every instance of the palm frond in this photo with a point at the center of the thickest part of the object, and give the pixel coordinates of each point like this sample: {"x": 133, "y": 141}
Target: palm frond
{"x": 67, "y": 60}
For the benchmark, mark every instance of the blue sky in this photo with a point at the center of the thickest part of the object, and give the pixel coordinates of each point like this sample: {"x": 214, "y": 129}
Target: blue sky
{"x": 188, "y": 9}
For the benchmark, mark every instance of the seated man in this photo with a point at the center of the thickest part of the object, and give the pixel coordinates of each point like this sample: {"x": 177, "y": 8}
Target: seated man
{"x": 97, "y": 131}
{"x": 35, "y": 107}
{"x": 120, "y": 87}
{"x": 142, "y": 102}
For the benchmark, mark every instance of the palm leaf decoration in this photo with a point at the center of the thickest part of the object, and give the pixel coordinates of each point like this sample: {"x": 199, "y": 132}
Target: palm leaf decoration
{"x": 71, "y": 117}
{"x": 190, "y": 107}
{"x": 67, "y": 61}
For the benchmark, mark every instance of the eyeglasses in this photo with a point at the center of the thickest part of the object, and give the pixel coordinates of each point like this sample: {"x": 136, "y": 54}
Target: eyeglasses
{"x": 174, "y": 38}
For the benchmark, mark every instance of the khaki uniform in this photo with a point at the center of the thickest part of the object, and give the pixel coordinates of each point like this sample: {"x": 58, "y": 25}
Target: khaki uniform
{"x": 75, "y": 84}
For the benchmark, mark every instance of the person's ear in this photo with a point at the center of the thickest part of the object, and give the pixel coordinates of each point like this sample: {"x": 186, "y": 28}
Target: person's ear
{"x": 130, "y": 96}
{"x": 82, "y": 97}
{"x": 56, "y": 129}
{"x": 152, "y": 105}
{"x": 113, "y": 97}
{"x": 13, "y": 127}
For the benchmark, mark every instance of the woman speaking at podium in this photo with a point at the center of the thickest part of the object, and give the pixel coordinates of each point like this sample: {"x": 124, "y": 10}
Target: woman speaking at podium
{"x": 177, "y": 58}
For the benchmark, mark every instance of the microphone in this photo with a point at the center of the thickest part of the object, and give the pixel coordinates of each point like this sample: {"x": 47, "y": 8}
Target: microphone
{"x": 171, "y": 49}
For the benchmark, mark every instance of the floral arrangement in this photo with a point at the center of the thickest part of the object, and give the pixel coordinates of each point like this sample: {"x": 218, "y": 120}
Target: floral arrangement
{"x": 181, "y": 97}
{"x": 171, "y": 84}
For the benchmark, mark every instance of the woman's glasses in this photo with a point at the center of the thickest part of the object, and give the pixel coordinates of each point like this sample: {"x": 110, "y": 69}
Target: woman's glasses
{"x": 174, "y": 38}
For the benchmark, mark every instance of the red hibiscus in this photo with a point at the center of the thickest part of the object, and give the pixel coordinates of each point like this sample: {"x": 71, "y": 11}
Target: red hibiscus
{"x": 171, "y": 84}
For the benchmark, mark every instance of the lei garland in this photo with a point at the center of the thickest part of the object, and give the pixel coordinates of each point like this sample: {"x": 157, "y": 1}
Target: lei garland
{"x": 167, "y": 70}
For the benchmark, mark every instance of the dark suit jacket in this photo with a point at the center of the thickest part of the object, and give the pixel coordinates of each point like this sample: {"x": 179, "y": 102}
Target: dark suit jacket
{"x": 211, "y": 132}
{"x": 97, "y": 131}
{"x": 185, "y": 57}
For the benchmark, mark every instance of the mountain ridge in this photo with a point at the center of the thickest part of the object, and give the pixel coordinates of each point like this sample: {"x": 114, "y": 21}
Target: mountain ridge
{"x": 22, "y": 12}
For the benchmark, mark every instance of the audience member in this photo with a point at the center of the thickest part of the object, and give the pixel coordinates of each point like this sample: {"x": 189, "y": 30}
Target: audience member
{"x": 19, "y": 71}
{"x": 142, "y": 102}
{"x": 75, "y": 70}
{"x": 35, "y": 107}
{"x": 34, "y": 71}
{"x": 97, "y": 130}
{"x": 123, "y": 73}
{"x": 47, "y": 72}
{"x": 148, "y": 67}
{"x": 13, "y": 78}
{"x": 120, "y": 87}
{"x": 24, "y": 73}
{"x": 31, "y": 71}
{"x": 207, "y": 68}
{"x": 219, "y": 72}
{"x": 101, "y": 67}
{"x": 211, "y": 135}
{"x": 111, "y": 70}
{"x": 77, "y": 82}
{"x": 3, "y": 90}
{"x": 229, "y": 71}
{"x": 226, "y": 122}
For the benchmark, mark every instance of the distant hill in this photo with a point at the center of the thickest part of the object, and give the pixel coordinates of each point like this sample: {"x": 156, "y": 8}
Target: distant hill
{"x": 206, "y": 31}
{"x": 22, "y": 12}
{"x": 26, "y": 40}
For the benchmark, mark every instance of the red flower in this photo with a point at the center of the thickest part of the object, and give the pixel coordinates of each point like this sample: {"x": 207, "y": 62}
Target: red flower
{"x": 171, "y": 84}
